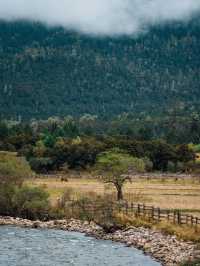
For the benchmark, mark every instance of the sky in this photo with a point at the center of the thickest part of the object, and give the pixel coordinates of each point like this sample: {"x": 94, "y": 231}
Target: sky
{"x": 100, "y": 17}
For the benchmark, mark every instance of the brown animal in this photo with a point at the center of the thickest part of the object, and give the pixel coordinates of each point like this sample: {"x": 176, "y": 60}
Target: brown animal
{"x": 64, "y": 179}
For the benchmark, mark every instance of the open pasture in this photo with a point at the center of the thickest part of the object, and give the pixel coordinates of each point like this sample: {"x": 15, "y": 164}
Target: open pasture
{"x": 168, "y": 193}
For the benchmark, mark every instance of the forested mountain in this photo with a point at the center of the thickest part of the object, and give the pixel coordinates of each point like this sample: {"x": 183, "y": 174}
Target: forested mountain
{"x": 51, "y": 71}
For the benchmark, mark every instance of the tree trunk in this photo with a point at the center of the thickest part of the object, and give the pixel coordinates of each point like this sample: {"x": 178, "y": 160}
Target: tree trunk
{"x": 119, "y": 193}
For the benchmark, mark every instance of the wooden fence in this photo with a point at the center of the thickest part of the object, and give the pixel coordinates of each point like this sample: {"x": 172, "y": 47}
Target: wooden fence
{"x": 157, "y": 214}
{"x": 149, "y": 212}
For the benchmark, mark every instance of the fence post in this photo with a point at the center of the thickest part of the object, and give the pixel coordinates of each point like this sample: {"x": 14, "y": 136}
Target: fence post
{"x": 139, "y": 209}
{"x": 168, "y": 215}
{"x": 191, "y": 220}
{"x": 196, "y": 224}
{"x": 158, "y": 214}
{"x": 179, "y": 217}
{"x": 132, "y": 208}
{"x": 144, "y": 212}
{"x": 186, "y": 219}
{"x": 174, "y": 217}
{"x": 152, "y": 213}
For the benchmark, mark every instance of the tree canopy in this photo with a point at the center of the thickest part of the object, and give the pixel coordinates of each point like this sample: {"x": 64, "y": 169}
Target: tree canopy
{"x": 116, "y": 168}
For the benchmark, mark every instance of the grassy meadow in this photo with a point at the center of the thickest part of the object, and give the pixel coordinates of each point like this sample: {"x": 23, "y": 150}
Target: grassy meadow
{"x": 168, "y": 193}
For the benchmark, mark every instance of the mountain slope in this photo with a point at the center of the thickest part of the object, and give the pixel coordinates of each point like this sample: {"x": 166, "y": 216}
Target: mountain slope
{"x": 47, "y": 72}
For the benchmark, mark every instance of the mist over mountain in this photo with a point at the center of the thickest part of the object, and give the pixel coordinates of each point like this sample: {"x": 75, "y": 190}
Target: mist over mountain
{"x": 100, "y": 17}
{"x": 49, "y": 71}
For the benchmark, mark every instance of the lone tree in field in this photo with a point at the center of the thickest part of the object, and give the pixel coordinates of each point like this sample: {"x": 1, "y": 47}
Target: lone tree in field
{"x": 116, "y": 166}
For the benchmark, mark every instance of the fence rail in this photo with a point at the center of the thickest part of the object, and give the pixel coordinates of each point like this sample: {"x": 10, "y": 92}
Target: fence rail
{"x": 158, "y": 214}
{"x": 149, "y": 212}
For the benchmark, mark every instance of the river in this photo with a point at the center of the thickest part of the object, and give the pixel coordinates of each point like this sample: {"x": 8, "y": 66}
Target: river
{"x": 33, "y": 247}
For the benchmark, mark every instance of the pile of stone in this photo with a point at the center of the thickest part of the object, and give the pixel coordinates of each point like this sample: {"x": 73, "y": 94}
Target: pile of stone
{"x": 164, "y": 248}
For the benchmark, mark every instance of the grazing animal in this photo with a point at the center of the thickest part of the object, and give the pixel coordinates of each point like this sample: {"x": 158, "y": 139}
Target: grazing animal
{"x": 64, "y": 179}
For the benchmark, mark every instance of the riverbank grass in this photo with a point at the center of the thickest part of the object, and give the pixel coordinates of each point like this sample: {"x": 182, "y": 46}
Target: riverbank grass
{"x": 182, "y": 232}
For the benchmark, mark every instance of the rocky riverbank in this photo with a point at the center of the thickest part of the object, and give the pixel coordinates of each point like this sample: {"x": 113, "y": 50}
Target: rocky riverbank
{"x": 166, "y": 249}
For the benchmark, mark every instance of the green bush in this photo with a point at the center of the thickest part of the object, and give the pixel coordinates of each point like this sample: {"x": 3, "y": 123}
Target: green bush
{"x": 31, "y": 203}
{"x": 91, "y": 207}
{"x": 195, "y": 148}
{"x": 26, "y": 202}
{"x": 16, "y": 199}
{"x": 13, "y": 169}
{"x": 41, "y": 164}
{"x": 193, "y": 167}
{"x": 180, "y": 167}
{"x": 171, "y": 167}
{"x": 6, "y": 199}
{"x": 148, "y": 164}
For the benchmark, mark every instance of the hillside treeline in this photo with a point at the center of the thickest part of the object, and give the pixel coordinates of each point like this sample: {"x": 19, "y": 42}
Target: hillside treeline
{"x": 62, "y": 144}
{"x": 51, "y": 71}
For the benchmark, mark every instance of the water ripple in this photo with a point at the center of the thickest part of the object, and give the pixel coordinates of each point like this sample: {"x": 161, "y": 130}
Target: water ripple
{"x": 31, "y": 247}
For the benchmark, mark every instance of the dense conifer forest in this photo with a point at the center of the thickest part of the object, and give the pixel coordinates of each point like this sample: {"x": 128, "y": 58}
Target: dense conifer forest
{"x": 52, "y": 71}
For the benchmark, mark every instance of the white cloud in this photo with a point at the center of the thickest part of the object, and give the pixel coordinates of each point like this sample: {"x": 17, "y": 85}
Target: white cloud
{"x": 106, "y": 17}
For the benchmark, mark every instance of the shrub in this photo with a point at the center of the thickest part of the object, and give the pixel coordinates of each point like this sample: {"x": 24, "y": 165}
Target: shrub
{"x": 31, "y": 203}
{"x": 171, "y": 167}
{"x": 26, "y": 202}
{"x": 90, "y": 208}
{"x": 183, "y": 232}
{"x": 195, "y": 148}
{"x": 13, "y": 169}
{"x": 148, "y": 164}
{"x": 66, "y": 197}
{"x": 185, "y": 153}
{"x": 41, "y": 164}
{"x": 180, "y": 167}
{"x": 193, "y": 167}
{"x": 6, "y": 199}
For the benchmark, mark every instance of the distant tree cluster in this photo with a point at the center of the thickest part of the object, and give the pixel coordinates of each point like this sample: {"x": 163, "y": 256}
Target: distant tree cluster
{"x": 60, "y": 144}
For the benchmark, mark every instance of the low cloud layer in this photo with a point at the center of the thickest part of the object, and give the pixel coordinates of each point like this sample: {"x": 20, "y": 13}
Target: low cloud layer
{"x": 104, "y": 17}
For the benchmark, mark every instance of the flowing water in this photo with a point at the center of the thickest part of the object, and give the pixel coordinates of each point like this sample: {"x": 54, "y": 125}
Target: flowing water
{"x": 32, "y": 247}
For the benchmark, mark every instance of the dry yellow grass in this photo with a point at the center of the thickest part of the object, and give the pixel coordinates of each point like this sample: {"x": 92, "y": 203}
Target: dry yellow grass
{"x": 170, "y": 194}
